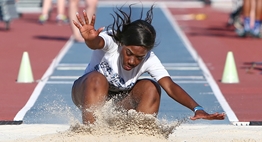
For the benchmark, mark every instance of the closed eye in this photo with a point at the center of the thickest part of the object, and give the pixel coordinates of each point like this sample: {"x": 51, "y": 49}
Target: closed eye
{"x": 128, "y": 52}
{"x": 140, "y": 57}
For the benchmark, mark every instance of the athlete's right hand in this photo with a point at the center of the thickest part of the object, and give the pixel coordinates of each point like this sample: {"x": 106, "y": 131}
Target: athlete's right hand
{"x": 87, "y": 29}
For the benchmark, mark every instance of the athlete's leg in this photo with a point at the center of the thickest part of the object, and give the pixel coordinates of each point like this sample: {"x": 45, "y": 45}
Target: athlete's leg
{"x": 88, "y": 93}
{"x": 144, "y": 97}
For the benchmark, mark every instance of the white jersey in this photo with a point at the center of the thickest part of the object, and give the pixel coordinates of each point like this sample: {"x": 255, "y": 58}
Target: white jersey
{"x": 106, "y": 61}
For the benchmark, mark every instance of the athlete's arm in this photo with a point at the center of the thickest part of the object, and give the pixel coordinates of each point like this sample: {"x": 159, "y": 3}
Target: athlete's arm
{"x": 179, "y": 95}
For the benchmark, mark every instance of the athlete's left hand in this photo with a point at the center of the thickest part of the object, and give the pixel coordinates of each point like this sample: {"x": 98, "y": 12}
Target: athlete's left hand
{"x": 200, "y": 114}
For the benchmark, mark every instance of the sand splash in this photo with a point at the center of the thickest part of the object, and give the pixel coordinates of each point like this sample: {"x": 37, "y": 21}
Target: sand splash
{"x": 115, "y": 124}
{"x": 112, "y": 120}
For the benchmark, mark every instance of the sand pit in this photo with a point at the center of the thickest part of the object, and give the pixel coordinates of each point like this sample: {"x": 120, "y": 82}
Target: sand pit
{"x": 116, "y": 125}
{"x": 183, "y": 133}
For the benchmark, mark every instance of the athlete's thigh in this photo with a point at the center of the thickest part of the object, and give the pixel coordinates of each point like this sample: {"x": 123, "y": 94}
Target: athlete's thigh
{"x": 143, "y": 88}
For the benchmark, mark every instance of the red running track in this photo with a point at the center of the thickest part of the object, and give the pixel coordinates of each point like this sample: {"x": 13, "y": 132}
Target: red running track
{"x": 210, "y": 38}
{"x": 42, "y": 42}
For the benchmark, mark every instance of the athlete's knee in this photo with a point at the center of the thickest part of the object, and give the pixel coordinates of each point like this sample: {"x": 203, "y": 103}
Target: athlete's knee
{"x": 92, "y": 85}
{"x": 95, "y": 88}
{"x": 95, "y": 80}
{"x": 76, "y": 91}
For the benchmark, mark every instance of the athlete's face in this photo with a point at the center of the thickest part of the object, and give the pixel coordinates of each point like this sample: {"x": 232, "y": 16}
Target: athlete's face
{"x": 131, "y": 56}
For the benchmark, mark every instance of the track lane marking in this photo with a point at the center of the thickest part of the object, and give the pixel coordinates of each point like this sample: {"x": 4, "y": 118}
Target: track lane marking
{"x": 217, "y": 92}
{"x": 37, "y": 91}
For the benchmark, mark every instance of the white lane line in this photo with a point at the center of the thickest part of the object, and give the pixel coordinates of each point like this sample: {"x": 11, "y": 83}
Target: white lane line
{"x": 173, "y": 77}
{"x": 180, "y": 64}
{"x": 64, "y": 77}
{"x": 20, "y": 115}
{"x": 190, "y": 82}
{"x": 226, "y": 107}
{"x": 178, "y": 82}
{"x": 71, "y": 68}
{"x": 182, "y": 68}
{"x": 170, "y": 4}
{"x": 179, "y": 77}
{"x": 72, "y": 65}
{"x": 59, "y": 82}
{"x": 168, "y": 66}
{"x": 165, "y": 64}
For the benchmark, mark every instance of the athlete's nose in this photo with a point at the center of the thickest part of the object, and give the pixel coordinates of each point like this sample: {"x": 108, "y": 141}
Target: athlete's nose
{"x": 131, "y": 61}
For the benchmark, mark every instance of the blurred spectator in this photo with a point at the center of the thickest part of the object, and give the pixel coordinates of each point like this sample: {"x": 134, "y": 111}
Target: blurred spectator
{"x": 73, "y": 9}
{"x": 207, "y": 2}
{"x": 46, "y": 9}
{"x": 235, "y": 15}
{"x": 252, "y": 12}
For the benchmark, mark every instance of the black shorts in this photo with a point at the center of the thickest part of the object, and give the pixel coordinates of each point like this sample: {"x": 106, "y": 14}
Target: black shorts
{"x": 117, "y": 96}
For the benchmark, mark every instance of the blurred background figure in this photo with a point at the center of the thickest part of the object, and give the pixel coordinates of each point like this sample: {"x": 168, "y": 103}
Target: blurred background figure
{"x": 207, "y": 2}
{"x": 46, "y": 10}
{"x": 74, "y": 8}
{"x": 252, "y": 12}
{"x": 235, "y": 15}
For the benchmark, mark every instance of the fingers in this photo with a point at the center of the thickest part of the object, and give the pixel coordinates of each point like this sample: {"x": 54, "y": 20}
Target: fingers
{"x": 218, "y": 116}
{"x": 79, "y": 19}
{"x": 86, "y": 20}
{"x": 77, "y": 24}
{"x": 85, "y": 17}
{"x": 193, "y": 118}
{"x": 93, "y": 20}
{"x": 215, "y": 116}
